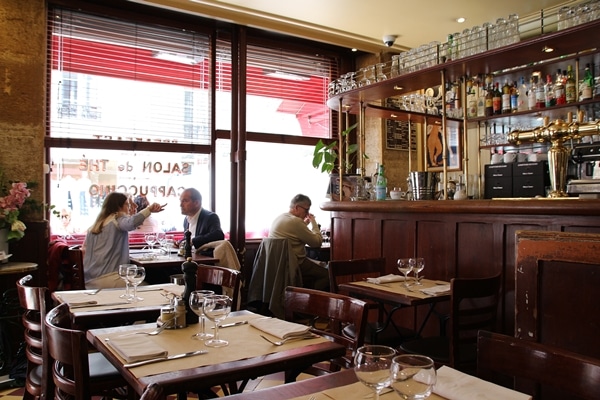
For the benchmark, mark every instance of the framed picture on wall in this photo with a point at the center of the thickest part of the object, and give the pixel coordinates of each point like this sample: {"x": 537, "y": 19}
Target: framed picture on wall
{"x": 434, "y": 147}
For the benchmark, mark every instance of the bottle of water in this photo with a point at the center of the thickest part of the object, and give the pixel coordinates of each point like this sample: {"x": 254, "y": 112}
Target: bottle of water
{"x": 380, "y": 184}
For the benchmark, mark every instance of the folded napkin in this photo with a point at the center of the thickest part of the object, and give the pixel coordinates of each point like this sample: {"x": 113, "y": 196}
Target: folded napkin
{"x": 386, "y": 279}
{"x": 455, "y": 385}
{"x": 137, "y": 348}
{"x": 279, "y": 328}
{"x": 438, "y": 289}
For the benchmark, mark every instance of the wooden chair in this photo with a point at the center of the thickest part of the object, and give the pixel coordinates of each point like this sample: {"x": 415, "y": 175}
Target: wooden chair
{"x": 220, "y": 276}
{"x": 34, "y": 300}
{"x": 564, "y": 374}
{"x": 473, "y": 306}
{"x": 329, "y": 313}
{"x": 344, "y": 271}
{"x": 76, "y": 372}
{"x": 73, "y": 273}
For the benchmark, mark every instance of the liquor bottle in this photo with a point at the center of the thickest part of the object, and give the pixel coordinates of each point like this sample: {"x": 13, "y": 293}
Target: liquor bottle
{"x": 497, "y": 99}
{"x": 531, "y": 93}
{"x": 587, "y": 86}
{"x": 489, "y": 101}
{"x": 540, "y": 95}
{"x": 549, "y": 92}
{"x": 506, "y": 97}
{"x": 514, "y": 97}
{"x": 570, "y": 89}
{"x": 559, "y": 89}
{"x": 471, "y": 99}
{"x": 522, "y": 101}
{"x": 480, "y": 100}
{"x": 380, "y": 184}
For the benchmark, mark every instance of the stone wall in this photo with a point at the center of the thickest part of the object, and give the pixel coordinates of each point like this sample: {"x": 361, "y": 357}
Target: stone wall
{"x": 23, "y": 91}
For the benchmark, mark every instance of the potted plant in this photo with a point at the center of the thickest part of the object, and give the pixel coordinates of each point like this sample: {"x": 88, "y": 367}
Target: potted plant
{"x": 325, "y": 155}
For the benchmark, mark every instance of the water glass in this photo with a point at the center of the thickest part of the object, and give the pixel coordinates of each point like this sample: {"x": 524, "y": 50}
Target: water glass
{"x": 372, "y": 367}
{"x": 197, "y": 298}
{"x": 135, "y": 276}
{"x": 123, "y": 275}
{"x": 413, "y": 376}
{"x": 216, "y": 308}
{"x": 405, "y": 268}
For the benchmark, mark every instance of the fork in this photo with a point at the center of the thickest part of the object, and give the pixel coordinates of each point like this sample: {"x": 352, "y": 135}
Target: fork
{"x": 284, "y": 341}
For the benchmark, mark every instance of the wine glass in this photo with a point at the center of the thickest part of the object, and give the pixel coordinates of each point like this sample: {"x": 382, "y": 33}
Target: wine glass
{"x": 216, "y": 308}
{"x": 169, "y": 244}
{"x": 372, "y": 366}
{"x": 405, "y": 267}
{"x": 418, "y": 263}
{"x": 197, "y": 305}
{"x": 160, "y": 239}
{"x": 150, "y": 238}
{"x": 123, "y": 275}
{"x": 413, "y": 376}
{"x": 135, "y": 276}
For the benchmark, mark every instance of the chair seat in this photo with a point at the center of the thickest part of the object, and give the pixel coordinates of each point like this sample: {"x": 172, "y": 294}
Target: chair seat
{"x": 389, "y": 336}
{"x": 101, "y": 368}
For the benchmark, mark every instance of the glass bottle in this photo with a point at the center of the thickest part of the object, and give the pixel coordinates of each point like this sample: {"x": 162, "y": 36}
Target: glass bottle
{"x": 588, "y": 83}
{"x": 489, "y": 101}
{"x": 559, "y": 89}
{"x": 380, "y": 184}
{"x": 531, "y": 93}
{"x": 549, "y": 92}
{"x": 506, "y": 97}
{"x": 540, "y": 94}
{"x": 570, "y": 89}
{"x": 497, "y": 99}
{"x": 514, "y": 97}
{"x": 522, "y": 102}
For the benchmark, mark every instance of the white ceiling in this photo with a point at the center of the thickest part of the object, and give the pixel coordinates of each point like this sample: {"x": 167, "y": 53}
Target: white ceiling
{"x": 361, "y": 23}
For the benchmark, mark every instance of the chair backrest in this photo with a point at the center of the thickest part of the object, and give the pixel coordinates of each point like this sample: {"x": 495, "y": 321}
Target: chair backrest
{"x": 344, "y": 271}
{"x": 339, "y": 310}
{"x": 474, "y": 305}
{"x": 275, "y": 267}
{"x": 34, "y": 301}
{"x": 68, "y": 350}
{"x": 221, "y": 276}
{"x": 73, "y": 275}
{"x": 565, "y": 373}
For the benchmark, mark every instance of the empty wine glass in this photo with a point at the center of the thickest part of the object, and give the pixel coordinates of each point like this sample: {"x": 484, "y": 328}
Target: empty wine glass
{"x": 169, "y": 244}
{"x": 197, "y": 305}
{"x": 150, "y": 238}
{"x": 160, "y": 239}
{"x": 372, "y": 366}
{"x": 413, "y": 376}
{"x": 123, "y": 275}
{"x": 405, "y": 267}
{"x": 135, "y": 276}
{"x": 216, "y": 308}
{"x": 417, "y": 263}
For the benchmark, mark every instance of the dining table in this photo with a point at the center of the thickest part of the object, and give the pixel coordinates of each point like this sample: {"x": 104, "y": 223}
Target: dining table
{"x": 247, "y": 355}
{"x": 344, "y": 385}
{"x": 398, "y": 295}
{"x": 106, "y": 307}
{"x": 158, "y": 259}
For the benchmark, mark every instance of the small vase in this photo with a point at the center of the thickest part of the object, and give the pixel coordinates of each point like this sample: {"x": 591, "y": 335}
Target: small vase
{"x": 4, "y": 240}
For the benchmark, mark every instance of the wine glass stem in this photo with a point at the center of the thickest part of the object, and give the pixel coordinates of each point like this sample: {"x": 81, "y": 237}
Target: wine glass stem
{"x": 376, "y": 395}
{"x": 203, "y": 325}
{"x": 135, "y": 293}
{"x": 216, "y": 331}
{"x": 127, "y": 289}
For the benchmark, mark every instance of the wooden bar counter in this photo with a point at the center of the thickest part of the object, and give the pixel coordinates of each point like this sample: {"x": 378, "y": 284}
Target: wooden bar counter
{"x": 470, "y": 238}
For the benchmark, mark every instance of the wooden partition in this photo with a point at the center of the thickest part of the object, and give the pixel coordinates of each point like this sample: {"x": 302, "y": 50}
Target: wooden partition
{"x": 473, "y": 238}
{"x": 557, "y": 282}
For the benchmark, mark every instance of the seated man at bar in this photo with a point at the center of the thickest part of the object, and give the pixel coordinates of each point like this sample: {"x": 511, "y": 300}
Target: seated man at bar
{"x": 293, "y": 225}
{"x": 205, "y": 225}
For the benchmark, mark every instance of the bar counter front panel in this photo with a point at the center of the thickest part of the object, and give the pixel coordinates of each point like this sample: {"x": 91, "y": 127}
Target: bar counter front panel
{"x": 471, "y": 238}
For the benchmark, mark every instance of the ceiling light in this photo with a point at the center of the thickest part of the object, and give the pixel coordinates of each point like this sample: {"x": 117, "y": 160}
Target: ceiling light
{"x": 547, "y": 49}
{"x": 460, "y": 20}
{"x": 175, "y": 57}
{"x": 285, "y": 75}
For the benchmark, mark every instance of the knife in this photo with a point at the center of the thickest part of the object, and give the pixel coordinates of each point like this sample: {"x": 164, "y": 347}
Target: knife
{"x": 95, "y": 304}
{"x": 232, "y": 324}
{"x": 173, "y": 357}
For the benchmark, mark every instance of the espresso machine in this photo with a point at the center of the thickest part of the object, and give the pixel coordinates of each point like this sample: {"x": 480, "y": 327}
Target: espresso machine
{"x": 585, "y": 170}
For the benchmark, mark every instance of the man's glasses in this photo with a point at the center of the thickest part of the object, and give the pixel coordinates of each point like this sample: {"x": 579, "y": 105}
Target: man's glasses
{"x": 304, "y": 208}
{"x": 65, "y": 216}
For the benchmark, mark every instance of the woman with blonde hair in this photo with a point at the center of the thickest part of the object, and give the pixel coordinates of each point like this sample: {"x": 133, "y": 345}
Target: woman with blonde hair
{"x": 106, "y": 243}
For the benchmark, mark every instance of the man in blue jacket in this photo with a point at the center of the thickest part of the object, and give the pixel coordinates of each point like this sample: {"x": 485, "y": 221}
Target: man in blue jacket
{"x": 205, "y": 225}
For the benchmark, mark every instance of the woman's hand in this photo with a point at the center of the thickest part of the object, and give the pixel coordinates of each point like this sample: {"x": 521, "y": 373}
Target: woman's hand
{"x": 155, "y": 207}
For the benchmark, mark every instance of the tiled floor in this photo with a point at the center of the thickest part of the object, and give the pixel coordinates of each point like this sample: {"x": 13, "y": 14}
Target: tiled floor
{"x": 256, "y": 384}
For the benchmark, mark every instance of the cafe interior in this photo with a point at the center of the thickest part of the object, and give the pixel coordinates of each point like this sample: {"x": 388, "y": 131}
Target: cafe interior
{"x": 449, "y": 152}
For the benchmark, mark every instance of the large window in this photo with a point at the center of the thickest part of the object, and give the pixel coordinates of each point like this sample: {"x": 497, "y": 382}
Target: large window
{"x": 131, "y": 110}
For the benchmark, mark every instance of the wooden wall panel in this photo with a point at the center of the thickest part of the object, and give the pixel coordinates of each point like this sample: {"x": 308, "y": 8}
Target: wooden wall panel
{"x": 398, "y": 242}
{"x": 366, "y": 241}
{"x": 475, "y": 247}
{"x": 436, "y": 244}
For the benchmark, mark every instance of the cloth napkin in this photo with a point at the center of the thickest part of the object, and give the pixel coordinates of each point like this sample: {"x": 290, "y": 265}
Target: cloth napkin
{"x": 279, "y": 328}
{"x": 437, "y": 289}
{"x": 455, "y": 385}
{"x": 137, "y": 348}
{"x": 386, "y": 279}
